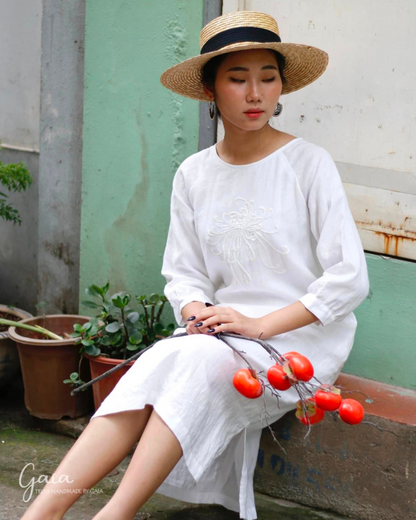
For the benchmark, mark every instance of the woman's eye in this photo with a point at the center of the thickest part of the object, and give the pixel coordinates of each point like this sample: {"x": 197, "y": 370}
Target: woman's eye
{"x": 242, "y": 80}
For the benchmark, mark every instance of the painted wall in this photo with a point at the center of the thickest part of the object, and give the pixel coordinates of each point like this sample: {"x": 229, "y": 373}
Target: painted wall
{"x": 20, "y": 58}
{"x": 136, "y": 133}
{"x": 20, "y": 33}
{"x": 385, "y": 341}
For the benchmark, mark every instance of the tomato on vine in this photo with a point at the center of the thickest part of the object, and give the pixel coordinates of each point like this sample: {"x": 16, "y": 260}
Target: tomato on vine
{"x": 351, "y": 411}
{"x": 328, "y": 398}
{"x": 245, "y": 381}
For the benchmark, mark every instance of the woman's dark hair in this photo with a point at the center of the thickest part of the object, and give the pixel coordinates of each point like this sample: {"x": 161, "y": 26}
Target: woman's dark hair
{"x": 210, "y": 69}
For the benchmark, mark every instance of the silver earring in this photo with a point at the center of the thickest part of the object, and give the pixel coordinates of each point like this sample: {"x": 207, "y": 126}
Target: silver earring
{"x": 279, "y": 109}
{"x": 211, "y": 108}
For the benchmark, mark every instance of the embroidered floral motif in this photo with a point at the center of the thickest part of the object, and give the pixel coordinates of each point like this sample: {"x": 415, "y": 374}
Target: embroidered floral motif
{"x": 240, "y": 236}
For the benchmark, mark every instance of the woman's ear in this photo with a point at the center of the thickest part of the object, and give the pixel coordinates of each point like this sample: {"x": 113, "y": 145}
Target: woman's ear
{"x": 209, "y": 92}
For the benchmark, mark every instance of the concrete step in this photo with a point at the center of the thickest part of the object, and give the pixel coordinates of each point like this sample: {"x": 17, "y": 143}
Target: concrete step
{"x": 362, "y": 471}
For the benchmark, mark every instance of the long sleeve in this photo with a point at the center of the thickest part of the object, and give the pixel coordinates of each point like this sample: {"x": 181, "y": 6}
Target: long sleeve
{"x": 344, "y": 283}
{"x": 183, "y": 263}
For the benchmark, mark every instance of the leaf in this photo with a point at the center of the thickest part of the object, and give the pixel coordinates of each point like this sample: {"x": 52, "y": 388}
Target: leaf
{"x": 113, "y": 327}
{"x": 92, "y": 350}
{"x": 77, "y": 327}
{"x": 93, "y": 330}
{"x": 87, "y": 342}
{"x": 131, "y": 347}
{"x": 158, "y": 327}
{"x": 133, "y": 317}
{"x": 171, "y": 327}
{"x": 117, "y": 338}
{"x": 105, "y": 341}
{"x": 74, "y": 376}
{"x": 154, "y": 298}
{"x": 86, "y": 326}
{"x": 93, "y": 290}
{"x": 136, "y": 338}
{"x": 91, "y": 305}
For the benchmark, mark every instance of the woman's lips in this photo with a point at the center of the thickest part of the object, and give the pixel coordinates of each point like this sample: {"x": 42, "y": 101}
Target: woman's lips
{"x": 254, "y": 115}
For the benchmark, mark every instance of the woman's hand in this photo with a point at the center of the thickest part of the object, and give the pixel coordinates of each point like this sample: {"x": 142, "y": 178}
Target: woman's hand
{"x": 224, "y": 319}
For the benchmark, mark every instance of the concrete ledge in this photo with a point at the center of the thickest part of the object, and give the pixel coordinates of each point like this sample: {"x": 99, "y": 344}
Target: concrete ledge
{"x": 358, "y": 471}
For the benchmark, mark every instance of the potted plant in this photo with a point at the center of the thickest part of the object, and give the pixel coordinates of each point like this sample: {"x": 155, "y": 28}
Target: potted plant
{"x": 47, "y": 354}
{"x": 9, "y": 357}
{"x": 115, "y": 334}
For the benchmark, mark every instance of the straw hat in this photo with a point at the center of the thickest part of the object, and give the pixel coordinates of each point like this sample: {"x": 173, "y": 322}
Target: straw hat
{"x": 238, "y": 31}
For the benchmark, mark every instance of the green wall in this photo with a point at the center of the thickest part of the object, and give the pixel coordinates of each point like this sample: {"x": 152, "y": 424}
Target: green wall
{"x": 385, "y": 341}
{"x": 136, "y": 133}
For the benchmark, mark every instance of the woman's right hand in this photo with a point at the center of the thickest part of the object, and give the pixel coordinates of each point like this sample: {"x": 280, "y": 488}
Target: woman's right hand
{"x": 189, "y": 310}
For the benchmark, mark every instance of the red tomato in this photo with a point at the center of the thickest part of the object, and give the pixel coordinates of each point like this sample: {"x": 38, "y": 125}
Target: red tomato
{"x": 278, "y": 378}
{"x": 246, "y": 384}
{"x": 313, "y": 413}
{"x": 288, "y": 355}
{"x": 328, "y": 399}
{"x": 301, "y": 366}
{"x": 351, "y": 411}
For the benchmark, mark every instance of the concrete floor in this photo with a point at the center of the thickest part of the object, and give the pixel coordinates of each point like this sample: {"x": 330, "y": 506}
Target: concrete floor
{"x": 23, "y": 440}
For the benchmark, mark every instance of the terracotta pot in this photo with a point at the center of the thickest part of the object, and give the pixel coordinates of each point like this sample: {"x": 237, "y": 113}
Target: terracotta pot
{"x": 9, "y": 356}
{"x": 46, "y": 363}
{"x": 99, "y": 365}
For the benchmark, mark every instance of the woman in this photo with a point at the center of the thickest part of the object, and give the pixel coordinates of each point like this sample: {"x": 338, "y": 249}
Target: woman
{"x": 261, "y": 231}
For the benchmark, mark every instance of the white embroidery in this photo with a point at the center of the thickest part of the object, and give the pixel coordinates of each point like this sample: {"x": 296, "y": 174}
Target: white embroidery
{"x": 240, "y": 236}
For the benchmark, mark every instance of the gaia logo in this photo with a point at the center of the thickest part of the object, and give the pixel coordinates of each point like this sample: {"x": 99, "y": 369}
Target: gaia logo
{"x": 42, "y": 479}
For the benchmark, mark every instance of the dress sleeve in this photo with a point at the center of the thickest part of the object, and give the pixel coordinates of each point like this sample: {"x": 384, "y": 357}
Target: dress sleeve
{"x": 344, "y": 283}
{"x": 183, "y": 262}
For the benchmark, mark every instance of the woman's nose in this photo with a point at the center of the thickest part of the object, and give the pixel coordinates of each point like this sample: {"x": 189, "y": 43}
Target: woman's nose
{"x": 253, "y": 93}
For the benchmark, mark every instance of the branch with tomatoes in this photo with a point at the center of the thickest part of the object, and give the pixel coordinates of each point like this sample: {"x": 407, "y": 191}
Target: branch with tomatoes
{"x": 294, "y": 370}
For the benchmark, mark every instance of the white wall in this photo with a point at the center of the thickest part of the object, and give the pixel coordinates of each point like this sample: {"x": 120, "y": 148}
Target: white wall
{"x": 20, "y": 39}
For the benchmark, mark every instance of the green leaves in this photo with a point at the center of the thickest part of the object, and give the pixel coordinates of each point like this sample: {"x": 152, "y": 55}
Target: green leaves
{"x": 14, "y": 177}
{"x": 119, "y": 329}
{"x": 113, "y": 327}
{"x": 74, "y": 380}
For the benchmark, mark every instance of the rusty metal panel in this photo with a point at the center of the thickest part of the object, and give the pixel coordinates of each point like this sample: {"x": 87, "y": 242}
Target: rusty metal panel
{"x": 386, "y": 220}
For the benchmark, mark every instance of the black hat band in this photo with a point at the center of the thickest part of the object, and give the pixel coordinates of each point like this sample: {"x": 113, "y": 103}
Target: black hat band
{"x": 239, "y": 34}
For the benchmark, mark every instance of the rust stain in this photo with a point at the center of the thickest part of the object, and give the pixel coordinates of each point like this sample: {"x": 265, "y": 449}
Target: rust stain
{"x": 393, "y": 240}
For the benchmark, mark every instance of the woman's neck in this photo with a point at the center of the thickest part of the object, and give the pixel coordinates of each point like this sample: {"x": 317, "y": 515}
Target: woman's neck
{"x": 239, "y": 147}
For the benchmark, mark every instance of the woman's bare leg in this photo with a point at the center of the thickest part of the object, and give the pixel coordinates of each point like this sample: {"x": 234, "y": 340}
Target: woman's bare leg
{"x": 104, "y": 443}
{"x": 156, "y": 455}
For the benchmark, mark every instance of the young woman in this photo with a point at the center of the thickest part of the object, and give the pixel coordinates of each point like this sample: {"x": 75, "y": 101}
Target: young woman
{"x": 261, "y": 230}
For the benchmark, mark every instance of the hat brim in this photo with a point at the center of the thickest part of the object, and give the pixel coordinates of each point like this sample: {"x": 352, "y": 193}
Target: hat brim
{"x": 304, "y": 64}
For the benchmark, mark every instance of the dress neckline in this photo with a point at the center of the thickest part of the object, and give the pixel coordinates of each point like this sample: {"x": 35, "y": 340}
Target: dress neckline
{"x": 237, "y": 166}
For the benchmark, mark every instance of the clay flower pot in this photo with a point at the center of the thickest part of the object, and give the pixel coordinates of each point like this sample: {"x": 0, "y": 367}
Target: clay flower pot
{"x": 103, "y": 387}
{"x": 9, "y": 356}
{"x": 46, "y": 363}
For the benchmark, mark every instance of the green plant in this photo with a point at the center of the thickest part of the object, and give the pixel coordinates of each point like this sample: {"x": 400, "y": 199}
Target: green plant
{"x": 118, "y": 329}
{"x": 14, "y": 177}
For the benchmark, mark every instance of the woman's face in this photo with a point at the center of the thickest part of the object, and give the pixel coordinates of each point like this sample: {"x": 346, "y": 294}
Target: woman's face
{"x": 246, "y": 80}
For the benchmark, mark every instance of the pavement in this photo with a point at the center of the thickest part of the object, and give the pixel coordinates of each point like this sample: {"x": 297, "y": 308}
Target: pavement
{"x": 25, "y": 439}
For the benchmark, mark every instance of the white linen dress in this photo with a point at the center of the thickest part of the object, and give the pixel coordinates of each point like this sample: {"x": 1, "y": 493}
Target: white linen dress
{"x": 254, "y": 237}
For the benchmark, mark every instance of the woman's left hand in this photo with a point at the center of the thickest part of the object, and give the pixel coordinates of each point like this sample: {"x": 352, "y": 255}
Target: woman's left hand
{"x": 227, "y": 319}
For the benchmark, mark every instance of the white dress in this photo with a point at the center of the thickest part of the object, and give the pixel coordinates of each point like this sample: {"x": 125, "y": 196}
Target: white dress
{"x": 257, "y": 238}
